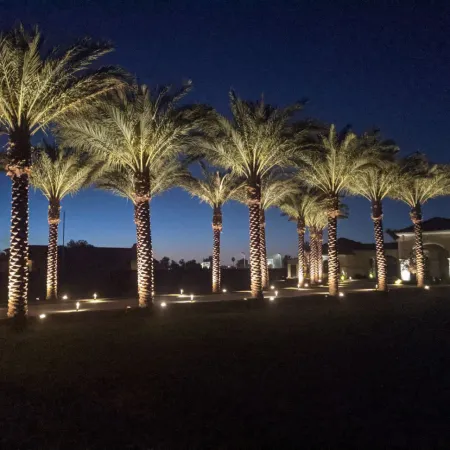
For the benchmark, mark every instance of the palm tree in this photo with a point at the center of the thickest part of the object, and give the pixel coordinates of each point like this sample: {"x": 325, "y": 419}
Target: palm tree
{"x": 316, "y": 220}
{"x": 419, "y": 182}
{"x": 275, "y": 187}
{"x": 35, "y": 91}
{"x": 375, "y": 183}
{"x": 253, "y": 143}
{"x": 136, "y": 131}
{"x": 329, "y": 169}
{"x": 58, "y": 172}
{"x": 296, "y": 207}
{"x": 164, "y": 175}
{"x": 215, "y": 188}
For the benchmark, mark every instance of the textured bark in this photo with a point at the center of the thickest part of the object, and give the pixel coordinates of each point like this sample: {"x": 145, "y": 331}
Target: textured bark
{"x": 319, "y": 255}
{"x": 19, "y": 155}
{"x": 217, "y": 229}
{"x": 301, "y": 252}
{"x": 144, "y": 242}
{"x": 264, "y": 266}
{"x": 254, "y": 206}
{"x": 377, "y": 217}
{"x": 416, "y": 217}
{"x": 52, "y": 252}
{"x": 313, "y": 255}
{"x": 333, "y": 262}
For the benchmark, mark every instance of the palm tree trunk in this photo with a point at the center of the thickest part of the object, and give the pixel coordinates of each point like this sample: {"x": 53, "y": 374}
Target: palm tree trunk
{"x": 217, "y": 229}
{"x": 416, "y": 217}
{"x": 52, "y": 252}
{"x": 144, "y": 253}
{"x": 377, "y": 217}
{"x": 18, "y": 170}
{"x": 313, "y": 255}
{"x": 333, "y": 261}
{"x": 301, "y": 252}
{"x": 319, "y": 255}
{"x": 264, "y": 266}
{"x": 254, "y": 207}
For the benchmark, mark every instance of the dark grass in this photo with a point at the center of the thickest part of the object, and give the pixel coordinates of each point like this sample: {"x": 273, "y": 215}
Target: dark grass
{"x": 369, "y": 372}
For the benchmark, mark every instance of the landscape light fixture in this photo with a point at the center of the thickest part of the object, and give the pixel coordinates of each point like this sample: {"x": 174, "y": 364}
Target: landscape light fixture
{"x": 95, "y": 296}
{"x": 272, "y": 287}
{"x": 272, "y": 299}
{"x": 341, "y": 294}
{"x": 398, "y": 281}
{"x": 181, "y": 291}
{"x": 306, "y": 284}
{"x": 192, "y": 297}
{"x": 42, "y": 316}
{"x": 163, "y": 304}
{"x": 77, "y": 305}
{"x": 224, "y": 291}
{"x": 427, "y": 287}
{"x": 65, "y": 297}
{"x": 276, "y": 293}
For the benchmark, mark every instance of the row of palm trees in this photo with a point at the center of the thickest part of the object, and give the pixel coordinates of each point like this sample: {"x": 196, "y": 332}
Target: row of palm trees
{"x": 137, "y": 142}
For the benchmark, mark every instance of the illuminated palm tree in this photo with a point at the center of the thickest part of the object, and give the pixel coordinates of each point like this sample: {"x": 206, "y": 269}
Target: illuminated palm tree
{"x": 164, "y": 175}
{"x": 316, "y": 220}
{"x": 297, "y": 207}
{"x": 215, "y": 188}
{"x": 375, "y": 183}
{"x": 329, "y": 169}
{"x": 251, "y": 144}
{"x": 58, "y": 172}
{"x": 35, "y": 91}
{"x": 136, "y": 131}
{"x": 419, "y": 182}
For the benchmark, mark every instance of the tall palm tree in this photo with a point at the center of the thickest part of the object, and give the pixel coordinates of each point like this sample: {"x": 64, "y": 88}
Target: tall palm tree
{"x": 215, "y": 188}
{"x": 37, "y": 89}
{"x": 135, "y": 131}
{"x": 375, "y": 183}
{"x": 58, "y": 172}
{"x": 296, "y": 207}
{"x": 419, "y": 182}
{"x": 330, "y": 169}
{"x": 164, "y": 175}
{"x": 251, "y": 144}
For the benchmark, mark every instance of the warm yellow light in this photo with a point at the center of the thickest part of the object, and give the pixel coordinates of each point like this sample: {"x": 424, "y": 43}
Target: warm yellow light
{"x": 427, "y": 287}
{"x": 276, "y": 293}
{"x": 272, "y": 299}
{"x": 163, "y": 304}
{"x": 398, "y": 281}
{"x": 272, "y": 287}
{"x": 42, "y": 316}
{"x": 77, "y": 304}
{"x": 320, "y": 281}
{"x": 181, "y": 291}
{"x": 192, "y": 297}
{"x": 306, "y": 284}
{"x": 65, "y": 297}
{"x": 95, "y": 296}
{"x": 341, "y": 294}
{"x": 376, "y": 286}
{"x": 128, "y": 307}
{"x": 370, "y": 275}
{"x": 350, "y": 278}
{"x": 224, "y": 291}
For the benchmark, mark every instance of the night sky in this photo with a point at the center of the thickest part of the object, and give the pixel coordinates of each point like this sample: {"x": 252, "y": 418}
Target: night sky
{"x": 366, "y": 64}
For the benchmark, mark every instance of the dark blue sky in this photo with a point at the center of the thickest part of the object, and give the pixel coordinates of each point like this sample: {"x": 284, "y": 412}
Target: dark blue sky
{"x": 365, "y": 63}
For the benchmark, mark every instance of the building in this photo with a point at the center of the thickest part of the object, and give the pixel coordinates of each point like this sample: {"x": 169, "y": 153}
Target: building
{"x": 436, "y": 243}
{"x": 356, "y": 259}
{"x": 275, "y": 261}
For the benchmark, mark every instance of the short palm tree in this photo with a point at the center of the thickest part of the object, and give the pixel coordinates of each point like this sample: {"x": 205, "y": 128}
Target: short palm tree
{"x": 136, "y": 130}
{"x": 316, "y": 220}
{"x": 329, "y": 169}
{"x": 163, "y": 176}
{"x": 297, "y": 207}
{"x": 375, "y": 183}
{"x": 214, "y": 188}
{"x": 419, "y": 182}
{"x": 37, "y": 89}
{"x": 251, "y": 144}
{"x": 58, "y": 172}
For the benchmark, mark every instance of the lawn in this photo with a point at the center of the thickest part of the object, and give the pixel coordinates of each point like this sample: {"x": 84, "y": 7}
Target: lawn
{"x": 369, "y": 372}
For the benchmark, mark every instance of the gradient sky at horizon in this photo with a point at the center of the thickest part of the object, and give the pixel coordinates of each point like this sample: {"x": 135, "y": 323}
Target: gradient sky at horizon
{"x": 367, "y": 64}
